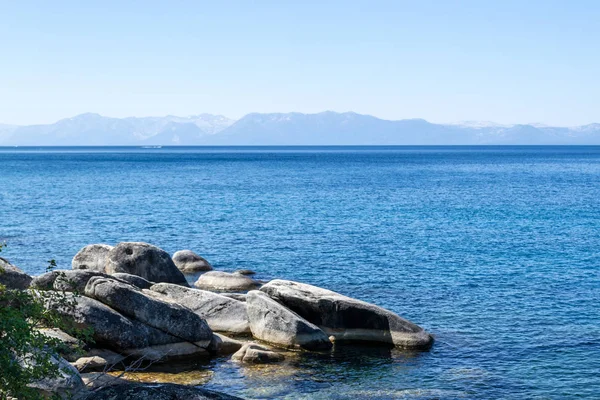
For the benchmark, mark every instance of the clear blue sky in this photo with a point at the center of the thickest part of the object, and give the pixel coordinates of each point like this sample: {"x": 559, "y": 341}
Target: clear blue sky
{"x": 445, "y": 61}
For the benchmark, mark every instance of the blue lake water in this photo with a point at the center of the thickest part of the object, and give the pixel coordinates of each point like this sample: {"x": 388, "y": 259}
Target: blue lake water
{"x": 495, "y": 250}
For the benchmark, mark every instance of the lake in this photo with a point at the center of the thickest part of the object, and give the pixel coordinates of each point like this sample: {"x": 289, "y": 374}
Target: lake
{"x": 494, "y": 250}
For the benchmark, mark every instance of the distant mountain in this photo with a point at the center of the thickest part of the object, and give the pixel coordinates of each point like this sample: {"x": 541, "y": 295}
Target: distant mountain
{"x": 326, "y": 128}
{"x": 329, "y": 128}
{"x": 96, "y": 130}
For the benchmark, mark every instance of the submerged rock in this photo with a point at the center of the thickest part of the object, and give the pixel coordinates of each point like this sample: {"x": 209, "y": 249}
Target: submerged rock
{"x": 345, "y": 318}
{"x": 222, "y": 313}
{"x": 219, "y": 280}
{"x": 145, "y": 260}
{"x": 92, "y": 257}
{"x": 255, "y": 354}
{"x": 167, "y": 317}
{"x": 189, "y": 262}
{"x": 274, "y": 323}
{"x": 12, "y": 277}
{"x": 136, "y": 391}
{"x": 245, "y": 272}
{"x": 175, "y": 375}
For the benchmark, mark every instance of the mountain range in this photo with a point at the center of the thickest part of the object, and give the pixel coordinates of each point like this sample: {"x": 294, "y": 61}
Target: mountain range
{"x": 326, "y": 128}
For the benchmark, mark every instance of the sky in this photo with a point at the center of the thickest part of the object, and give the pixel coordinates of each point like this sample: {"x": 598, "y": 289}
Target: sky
{"x": 444, "y": 61}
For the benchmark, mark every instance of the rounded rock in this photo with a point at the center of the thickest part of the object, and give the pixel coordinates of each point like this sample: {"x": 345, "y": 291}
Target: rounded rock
{"x": 145, "y": 260}
{"x": 189, "y": 262}
{"x": 92, "y": 257}
{"x": 219, "y": 280}
{"x": 12, "y": 277}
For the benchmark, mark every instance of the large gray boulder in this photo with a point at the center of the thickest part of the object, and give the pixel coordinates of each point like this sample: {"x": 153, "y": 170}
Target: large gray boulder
{"x": 274, "y": 323}
{"x": 189, "y": 262}
{"x": 139, "y": 391}
{"x": 110, "y": 329}
{"x": 145, "y": 260}
{"x": 170, "y": 318}
{"x": 92, "y": 257}
{"x": 222, "y": 314}
{"x": 66, "y": 280}
{"x": 224, "y": 281}
{"x": 12, "y": 277}
{"x": 345, "y": 318}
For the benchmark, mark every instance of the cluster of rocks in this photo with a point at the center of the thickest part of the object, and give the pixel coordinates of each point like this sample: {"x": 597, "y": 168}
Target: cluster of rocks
{"x": 138, "y": 303}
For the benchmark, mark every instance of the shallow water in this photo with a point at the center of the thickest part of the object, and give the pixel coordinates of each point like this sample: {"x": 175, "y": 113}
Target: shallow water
{"x": 495, "y": 250}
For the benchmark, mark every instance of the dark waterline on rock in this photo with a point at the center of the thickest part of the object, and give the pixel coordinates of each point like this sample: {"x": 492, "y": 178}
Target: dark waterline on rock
{"x": 492, "y": 249}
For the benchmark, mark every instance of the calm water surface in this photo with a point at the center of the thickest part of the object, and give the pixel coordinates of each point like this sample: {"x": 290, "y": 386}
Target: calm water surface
{"x": 495, "y": 250}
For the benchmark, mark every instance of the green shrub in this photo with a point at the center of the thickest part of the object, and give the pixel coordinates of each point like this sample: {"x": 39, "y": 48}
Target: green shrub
{"x": 26, "y": 353}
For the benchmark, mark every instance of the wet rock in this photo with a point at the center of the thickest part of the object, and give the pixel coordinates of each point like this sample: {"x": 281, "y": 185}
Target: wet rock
{"x": 167, "y": 317}
{"x": 145, "y": 260}
{"x": 274, "y": 323}
{"x": 92, "y": 257}
{"x": 222, "y": 313}
{"x": 156, "y": 392}
{"x": 345, "y": 318}
{"x": 219, "y": 280}
{"x": 12, "y": 277}
{"x": 189, "y": 262}
{"x": 134, "y": 280}
{"x": 255, "y": 354}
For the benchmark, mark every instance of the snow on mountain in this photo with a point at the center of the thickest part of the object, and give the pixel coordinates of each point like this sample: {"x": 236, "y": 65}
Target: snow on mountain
{"x": 478, "y": 124}
{"x": 326, "y": 128}
{"x": 93, "y": 129}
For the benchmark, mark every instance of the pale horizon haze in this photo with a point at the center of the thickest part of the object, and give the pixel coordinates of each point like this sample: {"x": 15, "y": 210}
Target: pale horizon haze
{"x": 443, "y": 61}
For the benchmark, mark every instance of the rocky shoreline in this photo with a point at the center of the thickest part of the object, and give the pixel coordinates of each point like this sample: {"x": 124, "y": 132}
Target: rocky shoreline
{"x": 140, "y": 308}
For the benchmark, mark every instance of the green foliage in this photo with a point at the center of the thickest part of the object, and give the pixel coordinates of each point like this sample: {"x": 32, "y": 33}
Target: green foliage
{"x": 25, "y": 353}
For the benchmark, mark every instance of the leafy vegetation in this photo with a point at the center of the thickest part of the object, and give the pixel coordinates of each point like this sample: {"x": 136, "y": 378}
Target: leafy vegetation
{"x": 26, "y": 354}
